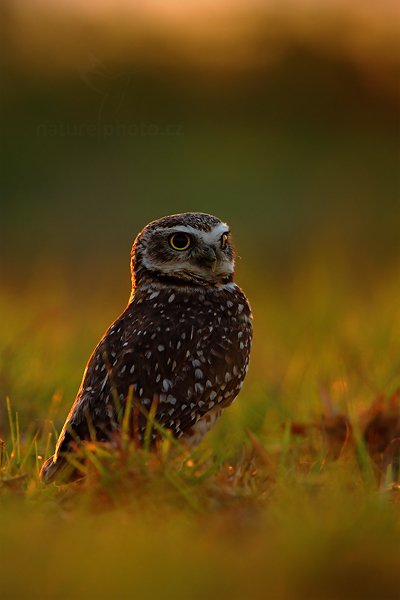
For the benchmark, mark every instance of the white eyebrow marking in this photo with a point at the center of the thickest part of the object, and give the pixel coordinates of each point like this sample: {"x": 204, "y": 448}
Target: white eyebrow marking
{"x": 209, "y": 237}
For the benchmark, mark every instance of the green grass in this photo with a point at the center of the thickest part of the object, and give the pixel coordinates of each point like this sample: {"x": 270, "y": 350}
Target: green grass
{"x": 284, "y": 499}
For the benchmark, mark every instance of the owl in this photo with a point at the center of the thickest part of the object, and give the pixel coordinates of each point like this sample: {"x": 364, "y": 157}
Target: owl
{"x": 183, "y": 340}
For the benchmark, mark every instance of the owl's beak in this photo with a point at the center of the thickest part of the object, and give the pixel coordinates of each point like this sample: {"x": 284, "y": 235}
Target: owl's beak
{"x": 208, "y": 258}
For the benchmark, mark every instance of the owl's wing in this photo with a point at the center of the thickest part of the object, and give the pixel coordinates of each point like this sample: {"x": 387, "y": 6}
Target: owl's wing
{"x": 90, "y": 416}
{"x": 131, "y": 354}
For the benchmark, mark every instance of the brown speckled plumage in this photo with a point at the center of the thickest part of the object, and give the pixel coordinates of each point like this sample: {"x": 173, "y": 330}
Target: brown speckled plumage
{"x": 184, "y": 338}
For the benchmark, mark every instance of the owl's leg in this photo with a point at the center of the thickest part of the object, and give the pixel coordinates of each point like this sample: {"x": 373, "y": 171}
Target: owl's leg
{"x": 193, "y": 436}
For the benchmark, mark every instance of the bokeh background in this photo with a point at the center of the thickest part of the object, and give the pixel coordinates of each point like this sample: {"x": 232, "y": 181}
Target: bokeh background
{"x": 280, "y": 117}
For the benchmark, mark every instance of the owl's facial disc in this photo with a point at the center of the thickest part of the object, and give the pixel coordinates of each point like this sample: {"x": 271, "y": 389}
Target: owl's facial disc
{"x": 188, "y": 253}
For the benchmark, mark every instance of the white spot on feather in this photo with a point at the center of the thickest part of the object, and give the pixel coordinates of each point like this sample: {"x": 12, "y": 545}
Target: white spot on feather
{"x": 166, "y": 385}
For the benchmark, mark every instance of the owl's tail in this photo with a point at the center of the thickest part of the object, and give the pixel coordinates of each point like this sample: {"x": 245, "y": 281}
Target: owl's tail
{"x": 59, "y": 470}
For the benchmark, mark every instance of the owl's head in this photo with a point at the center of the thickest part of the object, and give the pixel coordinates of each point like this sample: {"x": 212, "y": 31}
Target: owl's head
{"x": 188, "y": 249}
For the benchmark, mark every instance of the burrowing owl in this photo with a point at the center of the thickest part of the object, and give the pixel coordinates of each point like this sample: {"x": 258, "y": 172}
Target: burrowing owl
{"x": 184, "y": 338}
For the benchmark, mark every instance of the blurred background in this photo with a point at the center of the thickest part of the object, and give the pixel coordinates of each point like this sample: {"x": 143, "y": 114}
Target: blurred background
{"x": 280, "y": 117}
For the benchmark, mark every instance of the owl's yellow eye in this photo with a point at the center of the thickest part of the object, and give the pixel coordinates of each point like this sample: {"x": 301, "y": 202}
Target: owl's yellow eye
{"x": 224, "y": 240}
{"x": 180, "y": 241}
